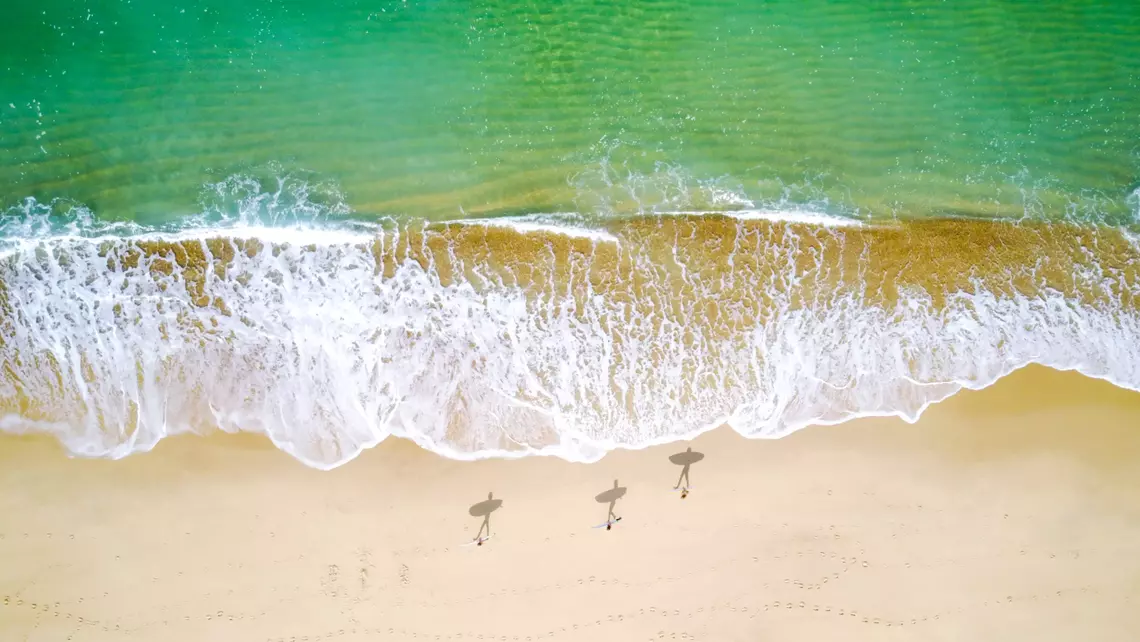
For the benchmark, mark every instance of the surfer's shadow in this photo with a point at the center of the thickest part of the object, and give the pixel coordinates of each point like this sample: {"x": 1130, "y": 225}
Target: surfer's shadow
{"x": 685, "y": 460}
{"x": 610, "y": 497}
{"x": 484, "y": 509}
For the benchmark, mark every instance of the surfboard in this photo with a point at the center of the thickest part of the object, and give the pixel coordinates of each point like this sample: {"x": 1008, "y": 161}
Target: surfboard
{"x": 683, "y": 488}
{"x": 477, "y": 541}
{"x": 687, "y": 458}
{"x": 604, "y": 524}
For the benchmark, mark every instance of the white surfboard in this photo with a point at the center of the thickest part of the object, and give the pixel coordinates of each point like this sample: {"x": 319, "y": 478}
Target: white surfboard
{"x": 477, "y": 541}
{"x": 610, "y": 523}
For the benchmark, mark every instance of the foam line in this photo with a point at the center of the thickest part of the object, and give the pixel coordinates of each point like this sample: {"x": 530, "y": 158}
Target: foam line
{"x": 527, "y": 225}
{"x": 803, "y": 217}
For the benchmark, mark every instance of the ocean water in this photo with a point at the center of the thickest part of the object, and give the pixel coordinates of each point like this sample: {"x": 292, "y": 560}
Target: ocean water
{"x": 502, "y": 229}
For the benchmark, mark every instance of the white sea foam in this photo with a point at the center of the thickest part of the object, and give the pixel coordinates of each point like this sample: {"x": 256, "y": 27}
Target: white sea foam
{"x": 315, "y": 344}
{"x": 553, "y": 223}
{"x": 622, "y": 176}
{"x": 274, "y": 235}
{"x": 798, "y": 216}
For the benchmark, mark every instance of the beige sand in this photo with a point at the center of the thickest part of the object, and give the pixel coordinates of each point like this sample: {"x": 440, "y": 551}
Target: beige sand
{"x": 1007, "y": 514}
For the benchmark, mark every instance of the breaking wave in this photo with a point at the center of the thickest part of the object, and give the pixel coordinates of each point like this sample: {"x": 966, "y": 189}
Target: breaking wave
{"x": 533, "y": 335}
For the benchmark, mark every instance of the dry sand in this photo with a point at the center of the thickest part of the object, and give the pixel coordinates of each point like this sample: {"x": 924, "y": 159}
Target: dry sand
{"x": 1007, "y": 514}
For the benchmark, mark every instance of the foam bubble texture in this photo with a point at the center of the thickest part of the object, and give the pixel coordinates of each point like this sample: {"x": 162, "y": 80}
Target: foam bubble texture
{"x": 482, "y": 341}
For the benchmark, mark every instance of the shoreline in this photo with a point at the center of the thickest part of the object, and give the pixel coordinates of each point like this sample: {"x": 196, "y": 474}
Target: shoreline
{"x": 485, "y": 340}
{"x": 507, "y": 455}
{"x": 993, "y": 517}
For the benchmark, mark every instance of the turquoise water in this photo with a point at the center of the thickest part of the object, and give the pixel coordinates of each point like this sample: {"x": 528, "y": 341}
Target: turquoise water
{"x": 445, "y": 109}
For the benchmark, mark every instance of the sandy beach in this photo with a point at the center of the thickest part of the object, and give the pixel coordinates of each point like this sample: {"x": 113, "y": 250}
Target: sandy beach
{"x": 1012, "y": 513}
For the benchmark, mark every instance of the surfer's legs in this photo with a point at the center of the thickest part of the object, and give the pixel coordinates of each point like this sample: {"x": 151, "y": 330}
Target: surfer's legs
{"x": 486, "y": 524}
{"x": 685, "y": 476}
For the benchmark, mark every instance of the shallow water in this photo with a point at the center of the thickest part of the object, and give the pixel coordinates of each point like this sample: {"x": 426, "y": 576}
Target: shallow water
{"x": 512, "y": 228}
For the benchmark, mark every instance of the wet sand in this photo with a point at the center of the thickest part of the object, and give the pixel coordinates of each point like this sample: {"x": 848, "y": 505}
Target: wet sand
{"x": 1012, "y": 513}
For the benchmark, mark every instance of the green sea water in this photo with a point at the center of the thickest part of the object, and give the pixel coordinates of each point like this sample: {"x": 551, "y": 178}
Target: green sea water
{"x": 444, "y": 108}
